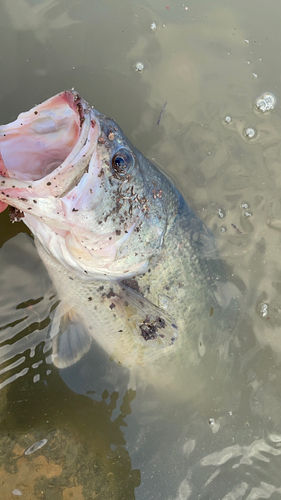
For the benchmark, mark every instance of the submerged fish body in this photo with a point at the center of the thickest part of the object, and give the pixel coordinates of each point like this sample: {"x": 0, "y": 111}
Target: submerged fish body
{"x": 133, "y": 266}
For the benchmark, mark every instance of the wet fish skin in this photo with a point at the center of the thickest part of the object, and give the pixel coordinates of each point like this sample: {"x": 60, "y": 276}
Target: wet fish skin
{"x": 134, "y": 267}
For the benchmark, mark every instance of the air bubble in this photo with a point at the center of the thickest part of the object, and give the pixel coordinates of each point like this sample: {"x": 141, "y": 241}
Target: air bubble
{"x": 214, "y": 424}
{"x": 227, "y": 119}
{"x": 139, "y": 67}
{"x": 265, "y": 102}
{"x": 153, "y": 26}
{"x": 249, "y": 132}
{"x": 248, "y": 214}
{"x": 264, "y": 310}
{"x": 221, "y": 213}
{"x": 223, "y": 229}
{"x": 245, "y": 205}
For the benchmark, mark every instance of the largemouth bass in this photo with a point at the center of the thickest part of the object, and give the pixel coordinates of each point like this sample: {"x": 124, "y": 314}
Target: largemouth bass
{"x": 135, "y": 269}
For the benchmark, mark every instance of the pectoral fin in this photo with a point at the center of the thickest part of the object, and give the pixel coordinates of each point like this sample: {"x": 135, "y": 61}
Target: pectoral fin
{"x": 150, "y": 325}
{"x": 70, "y": 340}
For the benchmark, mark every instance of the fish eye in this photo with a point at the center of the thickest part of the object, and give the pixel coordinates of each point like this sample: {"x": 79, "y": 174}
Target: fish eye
{"x": 123, "y": 161}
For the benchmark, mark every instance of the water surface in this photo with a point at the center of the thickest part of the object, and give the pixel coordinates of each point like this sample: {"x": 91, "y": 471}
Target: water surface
{"x": 207, "y": 61}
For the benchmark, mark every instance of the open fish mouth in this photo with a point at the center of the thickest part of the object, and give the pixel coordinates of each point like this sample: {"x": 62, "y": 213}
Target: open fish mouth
{"x": 83, "y": 190}
{"x": 45, "y": 150}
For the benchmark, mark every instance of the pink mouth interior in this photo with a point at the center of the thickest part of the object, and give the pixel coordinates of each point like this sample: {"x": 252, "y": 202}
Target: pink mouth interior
{"x": 38, "y": 141}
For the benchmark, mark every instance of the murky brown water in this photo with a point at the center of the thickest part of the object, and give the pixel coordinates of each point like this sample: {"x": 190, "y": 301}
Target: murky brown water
{"x": 207, "y": 61}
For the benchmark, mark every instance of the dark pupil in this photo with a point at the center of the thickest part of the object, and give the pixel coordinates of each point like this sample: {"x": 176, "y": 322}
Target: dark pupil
{"x": 119, "y": 162}
{"x": 122, "y": 161}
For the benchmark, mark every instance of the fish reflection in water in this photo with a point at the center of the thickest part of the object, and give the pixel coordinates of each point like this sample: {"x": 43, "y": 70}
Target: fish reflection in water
{"x": 152, "y": 293}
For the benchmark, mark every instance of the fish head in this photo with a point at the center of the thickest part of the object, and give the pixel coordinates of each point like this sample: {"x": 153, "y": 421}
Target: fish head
{"x": 94, "y": 202}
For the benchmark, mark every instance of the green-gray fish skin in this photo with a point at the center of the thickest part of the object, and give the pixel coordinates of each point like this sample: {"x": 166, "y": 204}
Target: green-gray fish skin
{"x": 135, "y": 269}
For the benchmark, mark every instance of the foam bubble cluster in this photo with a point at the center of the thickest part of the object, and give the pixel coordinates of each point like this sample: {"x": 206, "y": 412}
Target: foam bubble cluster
{"x": 265, "y": 102}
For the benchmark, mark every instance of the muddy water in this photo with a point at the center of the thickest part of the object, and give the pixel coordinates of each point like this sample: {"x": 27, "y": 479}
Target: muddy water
{"x": 209, "y": 61}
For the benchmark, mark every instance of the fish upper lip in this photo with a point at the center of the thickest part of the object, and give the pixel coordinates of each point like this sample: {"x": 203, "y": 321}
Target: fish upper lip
{"x": 67, "y": 111}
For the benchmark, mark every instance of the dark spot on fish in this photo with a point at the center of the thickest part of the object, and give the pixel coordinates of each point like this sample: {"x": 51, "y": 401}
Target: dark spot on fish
{"x": 49, "y": 183}
{"x": 22, "y": 199}
{"x": 15, "y": 215}
{"x": 29, "y": 208}
{"x": 131, "y": 283}
{"x": 148, "y": 332}
{"x": 174, "y": 326}
{"x": 126, "y": 303}
{"x": 70, "y": 278}
{"x": 90, "y": 298}
{"x": 101, "y": 288}
{"x": 110, "y": 293}
{"x": 112, "y": 305}
{"x": 80, "y": 112}
{"x": 86, "y": 272}
{"x": 75, "y": 210}
{"x": 172, "y": 341}
{"x": 160, "y": 322}
{"x": 120, "y": 331}
{"x": 211, "y": 311}
{"x": 118, "y": 232}
{"x": 34, "y": 201}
